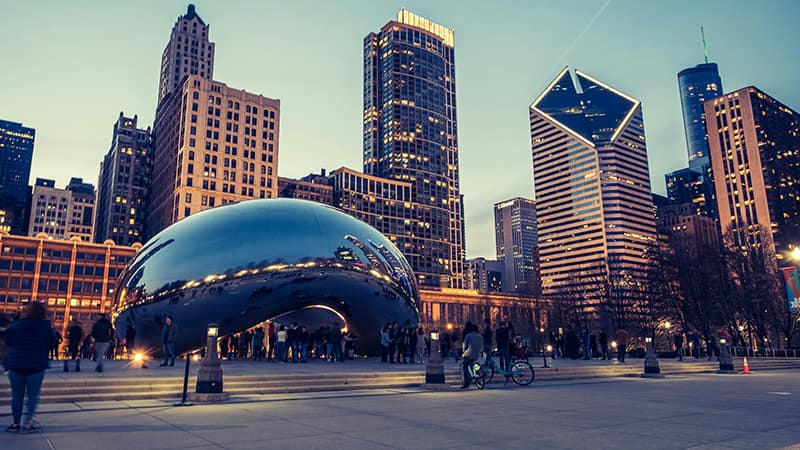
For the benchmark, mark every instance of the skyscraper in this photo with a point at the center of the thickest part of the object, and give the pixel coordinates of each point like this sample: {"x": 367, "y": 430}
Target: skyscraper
{"x": 410, "y": 135}
{"x": 693, "y": 186}
{"x": 16, "y": 153}
{"x": 593, "y": 201}
{"x": 698, "y": 84}
{"x": 63, "y": 213}
{"x": 188, "y": 52}
{"x": 213, "y": 144}
{"x": 123, "y": 184}
{"x": 754, "y": 143}
{"x": 516, "y": 243}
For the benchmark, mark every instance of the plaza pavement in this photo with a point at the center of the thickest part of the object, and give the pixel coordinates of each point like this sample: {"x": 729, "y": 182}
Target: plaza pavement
{"x": 757, "y": 411}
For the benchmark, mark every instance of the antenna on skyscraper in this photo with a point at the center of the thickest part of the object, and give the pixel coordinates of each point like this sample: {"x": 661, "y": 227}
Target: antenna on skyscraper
{"x": 705, "y": 49}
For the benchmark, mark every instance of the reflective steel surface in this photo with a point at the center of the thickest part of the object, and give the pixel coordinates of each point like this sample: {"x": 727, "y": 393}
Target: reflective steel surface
{"x": 240, "y": 264}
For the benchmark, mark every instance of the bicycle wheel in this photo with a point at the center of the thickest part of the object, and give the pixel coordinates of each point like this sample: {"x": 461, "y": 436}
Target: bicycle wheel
{"x": 488, "y": 372}
{"x": 480, "y": 381}
{"x": 522, "y": 373}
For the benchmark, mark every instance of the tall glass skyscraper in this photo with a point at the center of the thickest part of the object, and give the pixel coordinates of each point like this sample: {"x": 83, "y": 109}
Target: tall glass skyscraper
{"x": 16, "y": 154}
{"x": 697, "y": 84}
{"x": 594, "y": 207}
{"x": 516, "y": 243}
{"x": 410, "y": 135}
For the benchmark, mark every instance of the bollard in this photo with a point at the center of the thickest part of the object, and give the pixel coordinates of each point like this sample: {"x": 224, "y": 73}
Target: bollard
{"x": 209, "y": 377}
{"x": 434, "y": 369}
{"x": 183, "y": 401}
{"x": 725, "y": 358}
{"x": 651, "y": 367}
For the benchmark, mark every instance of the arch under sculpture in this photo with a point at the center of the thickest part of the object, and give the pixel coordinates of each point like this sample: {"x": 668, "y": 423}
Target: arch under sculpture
{"x": 241, "y": 264}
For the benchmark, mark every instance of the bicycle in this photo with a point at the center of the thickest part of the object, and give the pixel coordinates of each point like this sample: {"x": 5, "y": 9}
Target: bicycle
{"x": 477, "y": 375}
{"x": 520, "y": 371}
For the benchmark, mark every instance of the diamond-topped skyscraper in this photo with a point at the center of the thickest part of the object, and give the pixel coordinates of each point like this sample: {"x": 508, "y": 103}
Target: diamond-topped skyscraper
{"x": 410, "y": 135}
{"x": 593, "y": 200}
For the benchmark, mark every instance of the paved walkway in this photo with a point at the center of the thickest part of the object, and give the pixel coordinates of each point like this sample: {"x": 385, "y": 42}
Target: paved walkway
{"x": 699, "y": 411}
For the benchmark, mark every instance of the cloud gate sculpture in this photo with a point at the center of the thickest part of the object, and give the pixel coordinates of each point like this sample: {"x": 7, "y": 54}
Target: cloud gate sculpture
{"x": 241, "y": 264}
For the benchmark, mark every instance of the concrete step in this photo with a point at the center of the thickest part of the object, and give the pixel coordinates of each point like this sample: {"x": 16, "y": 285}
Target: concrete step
{"x": 108, "y": 388}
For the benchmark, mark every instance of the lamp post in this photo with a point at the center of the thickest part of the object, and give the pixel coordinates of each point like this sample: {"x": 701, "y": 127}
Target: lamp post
{"x": 544, "y": 349}
{"x": 668, "y": 326}
{"x": 209, "y": 377}
{"x": 434, "y": 369}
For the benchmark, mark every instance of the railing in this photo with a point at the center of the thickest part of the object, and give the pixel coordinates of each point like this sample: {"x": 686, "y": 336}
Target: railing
{"x": 740, "y": 351}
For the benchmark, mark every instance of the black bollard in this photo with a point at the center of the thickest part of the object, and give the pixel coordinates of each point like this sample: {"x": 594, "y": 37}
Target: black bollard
{"x": 183, "y": 401}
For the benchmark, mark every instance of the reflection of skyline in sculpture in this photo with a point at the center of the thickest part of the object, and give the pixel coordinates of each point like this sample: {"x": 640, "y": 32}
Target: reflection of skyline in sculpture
{"x": 241, "y": 264}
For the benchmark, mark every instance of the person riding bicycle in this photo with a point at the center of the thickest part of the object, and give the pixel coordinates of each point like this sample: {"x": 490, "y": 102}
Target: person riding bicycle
{"x": 472, "y": 347}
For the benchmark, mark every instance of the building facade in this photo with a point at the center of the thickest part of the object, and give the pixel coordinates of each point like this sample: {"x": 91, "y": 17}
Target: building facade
{"x": 16, "y": 154}
{"x": 697, "y": 84}
{"x": 123, "y": 184}
{"x": 312, "y": 187}
{"x": 685, "y": 228}
{"x": 693, "y": 186}
{"x": 213, "y": 145}
{"x": 484, "y": 275}
{"x": 63, "y": 213}
{"x": 75, "y": 279}
{"x": 381, "y": 202}
{"x": 188, "y": 52}
{"x": 755, "y": 155}
{"x": 516, "y": 242}
{"x": 410, "y": 135}
{"x": 593, "y": 201}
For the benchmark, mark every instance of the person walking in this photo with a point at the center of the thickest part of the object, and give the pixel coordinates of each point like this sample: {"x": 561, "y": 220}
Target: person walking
{"x": 603, "y": 338}
{"x": 502, "y": 339}
{"x": 385, "y": 340}
{"x": 29, "y": 340}
{"x": 280, "y": 344}
{"x": 421, "y": 344}
{"x": 271, "y": 331}
{"x": 258, "y": 343}
{"x": 57, "y": 340}
{"x": 5, "y": 322}
{"x": 74, "y": 338}
{"x": 487, "y": 336}
{"x": 678, "y": 346}
{"x": 335, "y": 343}
{"x": 102, "y": 331}
{"x": 168, "y": 334}
{"x": 130, "y": 340}
{"x": 622, "y": 337}
{"x": 471, "y": 348}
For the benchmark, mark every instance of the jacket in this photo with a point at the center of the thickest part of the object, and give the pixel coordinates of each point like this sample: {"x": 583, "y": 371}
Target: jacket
{"x": 472, "y": 345}
{"x": 101, "y": 331}
{"x": 169, "y": 333}
{"x": 29, "y": 342}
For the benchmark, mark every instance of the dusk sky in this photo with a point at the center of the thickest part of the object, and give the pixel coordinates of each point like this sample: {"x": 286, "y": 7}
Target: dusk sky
{"x": 69, "y": 68}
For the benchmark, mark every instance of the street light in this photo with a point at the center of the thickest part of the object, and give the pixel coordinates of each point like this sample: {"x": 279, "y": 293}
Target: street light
{"x": 796, "y": 253}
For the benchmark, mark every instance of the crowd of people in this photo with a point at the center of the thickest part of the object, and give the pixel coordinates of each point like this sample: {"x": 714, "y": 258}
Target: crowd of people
{"x": 274, "y": 342}
{"x": 403, "y": 344}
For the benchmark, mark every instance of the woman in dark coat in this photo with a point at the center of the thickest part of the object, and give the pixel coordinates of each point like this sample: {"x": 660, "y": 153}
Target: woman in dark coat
{"x": 29, "y": 340}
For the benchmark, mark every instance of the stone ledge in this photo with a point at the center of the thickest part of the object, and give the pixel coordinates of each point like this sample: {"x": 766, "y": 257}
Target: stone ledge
{"x": 209, "y": 397}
